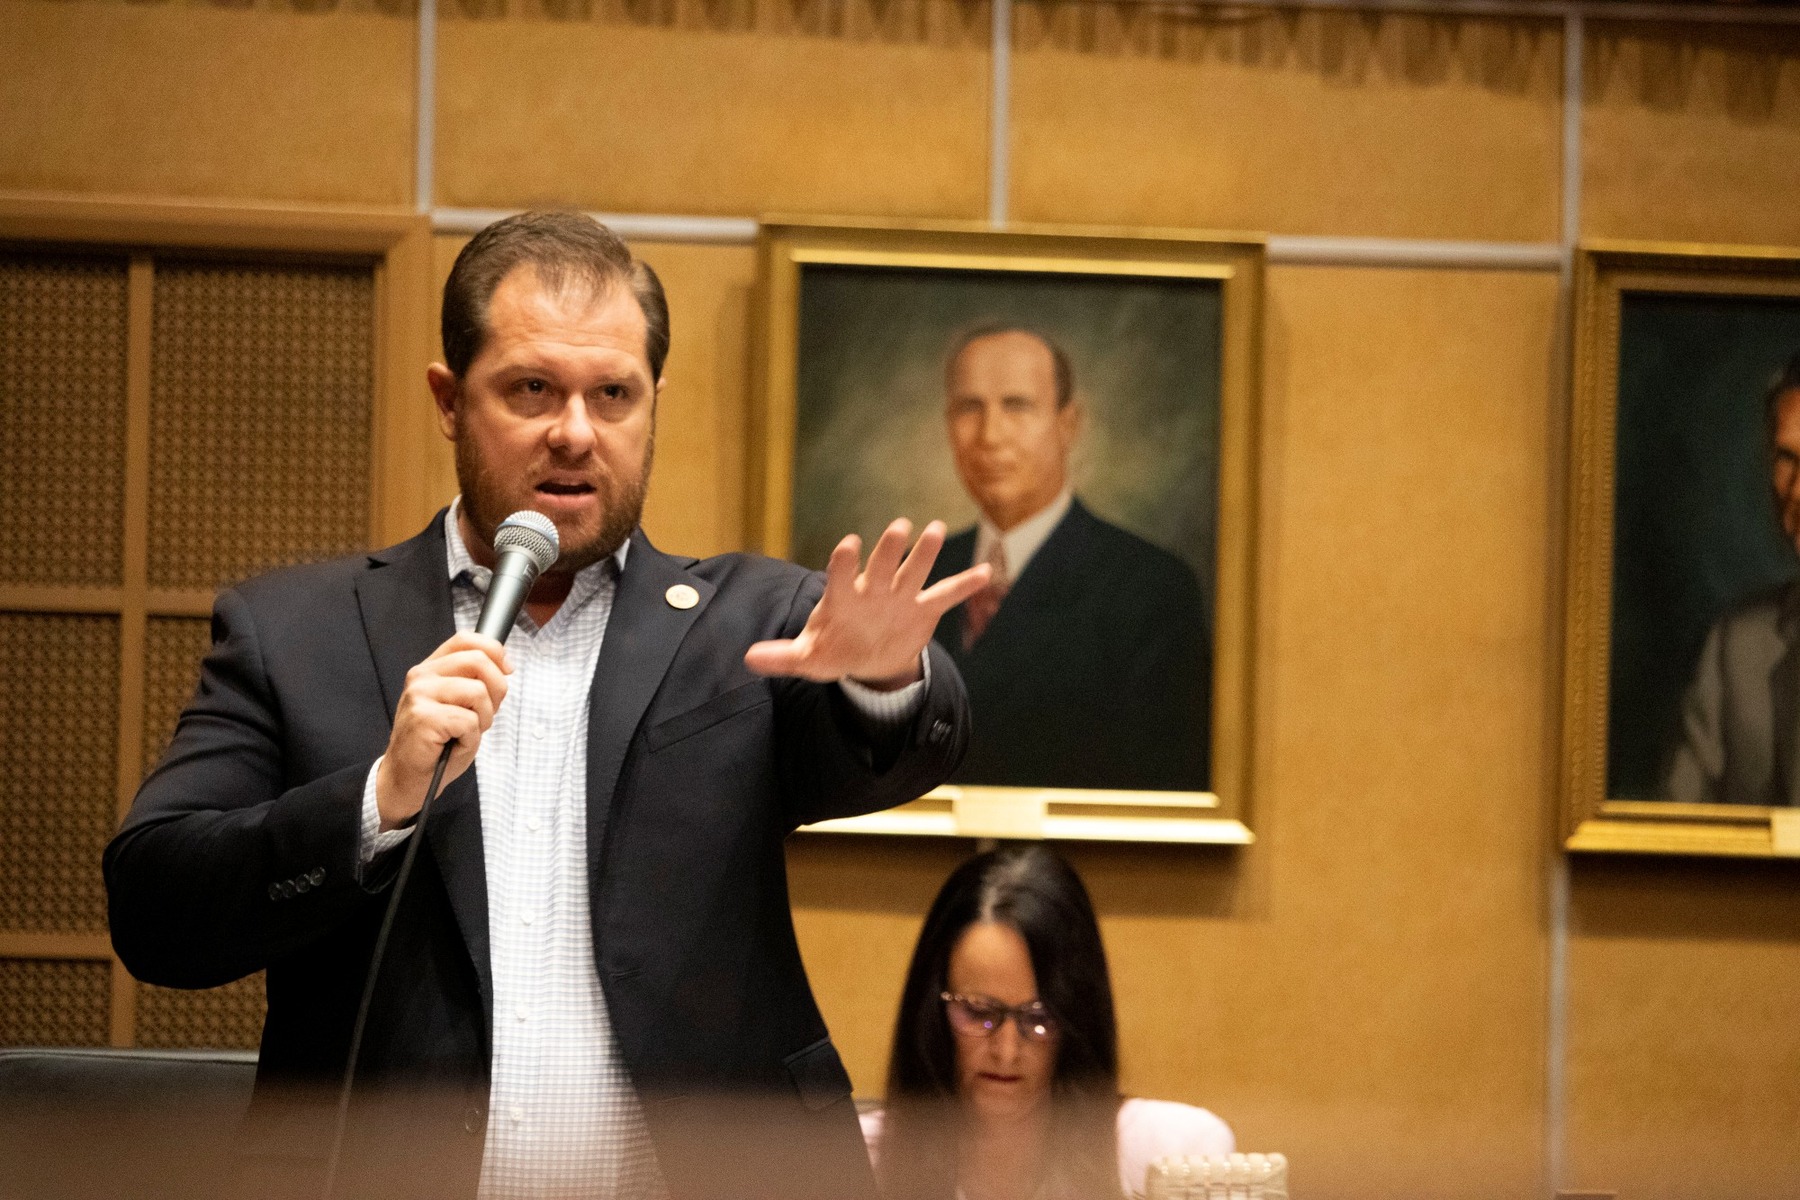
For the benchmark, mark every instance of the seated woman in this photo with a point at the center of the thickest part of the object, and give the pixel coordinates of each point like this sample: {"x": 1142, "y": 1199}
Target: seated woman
{"x": 1003, "y": 1083}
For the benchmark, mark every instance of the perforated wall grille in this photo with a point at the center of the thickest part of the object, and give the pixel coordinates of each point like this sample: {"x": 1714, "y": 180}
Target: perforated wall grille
{"x": 261, "y": 407}
{"x": 173, "y": 648}
{"x": 62, "y": 418}
{"x": 58, "y": 737}
{"x": 229, "y": 1017}
{"x": 44, "y": 1002}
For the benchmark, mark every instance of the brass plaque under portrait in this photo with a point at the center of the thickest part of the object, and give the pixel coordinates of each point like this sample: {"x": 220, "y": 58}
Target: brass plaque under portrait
{"x": 1080, "y": 409}
{"x": 1682, "y": 661}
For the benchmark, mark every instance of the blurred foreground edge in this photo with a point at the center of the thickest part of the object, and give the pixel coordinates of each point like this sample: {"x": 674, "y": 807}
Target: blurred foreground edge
{"x": 78, "y": 1124}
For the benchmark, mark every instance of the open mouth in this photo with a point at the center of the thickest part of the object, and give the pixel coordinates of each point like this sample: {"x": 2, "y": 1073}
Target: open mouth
{"x": 560, "y": 488}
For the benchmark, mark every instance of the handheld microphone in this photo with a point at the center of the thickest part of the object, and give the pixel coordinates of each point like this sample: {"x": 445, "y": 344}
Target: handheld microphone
{"x": 526, "y": 546}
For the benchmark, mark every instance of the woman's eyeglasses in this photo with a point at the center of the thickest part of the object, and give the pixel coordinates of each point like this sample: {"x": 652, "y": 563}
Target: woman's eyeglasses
{"x": 978, "y": 1016}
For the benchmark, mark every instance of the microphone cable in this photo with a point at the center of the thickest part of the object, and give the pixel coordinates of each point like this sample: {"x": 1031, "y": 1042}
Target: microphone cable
{"x": 526, "y": 545}
{"x": 368, "y": 993}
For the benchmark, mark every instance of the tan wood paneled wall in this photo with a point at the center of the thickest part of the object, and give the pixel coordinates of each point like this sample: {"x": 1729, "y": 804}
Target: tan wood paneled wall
{"x": 1410, "y": 127}
{"x": 1368, "y": 987}
{"x": 188, "y": 395}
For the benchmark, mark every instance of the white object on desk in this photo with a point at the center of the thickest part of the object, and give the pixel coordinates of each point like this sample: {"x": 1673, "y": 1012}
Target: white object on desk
{"x": 1218, "y": 1177}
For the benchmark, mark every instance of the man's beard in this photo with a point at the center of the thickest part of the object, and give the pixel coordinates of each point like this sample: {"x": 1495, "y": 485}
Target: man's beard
{"x": 488, "y": 500}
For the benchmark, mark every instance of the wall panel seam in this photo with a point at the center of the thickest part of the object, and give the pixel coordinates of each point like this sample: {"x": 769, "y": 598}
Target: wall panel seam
{"x": 425, "y": 109}
{"x": 1000, "y": 113}
{"x": 134, "y": 587}
{"x": 1556, "y": 988}
{"x": 1284, "y": 249}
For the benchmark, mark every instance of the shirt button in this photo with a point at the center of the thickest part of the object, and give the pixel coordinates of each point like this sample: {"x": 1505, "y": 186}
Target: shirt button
{"x": 533, "y": 824}
{"x": 527, "y": 918}
{"x": 540, "y": 731}
{"x": 518, "y": 1114}
{"x": 519, "y": 1013}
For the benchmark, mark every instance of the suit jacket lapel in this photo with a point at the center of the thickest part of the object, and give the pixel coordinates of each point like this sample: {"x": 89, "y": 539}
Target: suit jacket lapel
{"x": 1067, "y": 543}
{"x": 405, "y": 603}
{"x": 642, "y": 635}
{"x": 1051, "y": 573}
{"x": 957, "y": 555}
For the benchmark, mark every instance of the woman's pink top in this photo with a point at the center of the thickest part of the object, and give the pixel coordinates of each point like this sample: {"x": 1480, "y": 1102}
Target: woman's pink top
{"x": 1148, "y": 1130}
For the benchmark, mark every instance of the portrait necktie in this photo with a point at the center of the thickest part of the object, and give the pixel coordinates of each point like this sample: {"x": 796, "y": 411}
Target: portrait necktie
{"x": 980, "y": 608}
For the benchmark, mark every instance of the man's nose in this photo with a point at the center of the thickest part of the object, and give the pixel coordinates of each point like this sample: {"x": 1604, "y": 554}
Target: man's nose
{"x": 572, "y": 431}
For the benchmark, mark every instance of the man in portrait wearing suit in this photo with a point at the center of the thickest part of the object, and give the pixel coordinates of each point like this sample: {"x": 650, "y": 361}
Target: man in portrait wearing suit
{"x": 1088, "y": 656}
{"x": 1740, "y": 718}
{"x": 594, "y": 951}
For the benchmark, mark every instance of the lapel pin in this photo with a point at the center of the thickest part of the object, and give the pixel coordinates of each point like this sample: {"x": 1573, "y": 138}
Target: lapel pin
{"x": 681, "y": 596}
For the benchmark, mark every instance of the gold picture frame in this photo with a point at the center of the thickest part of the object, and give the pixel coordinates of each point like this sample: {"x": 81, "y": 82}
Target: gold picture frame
{"x": 1227, "y": 267}
{"x": 1671, "y": 366}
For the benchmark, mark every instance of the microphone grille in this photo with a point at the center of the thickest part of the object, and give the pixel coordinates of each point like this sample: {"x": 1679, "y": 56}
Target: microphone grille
{"x": 532, "y": 532}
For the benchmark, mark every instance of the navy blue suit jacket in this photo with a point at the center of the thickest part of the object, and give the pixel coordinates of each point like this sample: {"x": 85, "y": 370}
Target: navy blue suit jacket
{"x": 1096, "y": 670}
{"x": 698, "y": 769}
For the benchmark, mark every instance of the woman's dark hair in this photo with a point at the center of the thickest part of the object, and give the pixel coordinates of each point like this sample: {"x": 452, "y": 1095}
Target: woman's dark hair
{"x": 1036, "y": 892}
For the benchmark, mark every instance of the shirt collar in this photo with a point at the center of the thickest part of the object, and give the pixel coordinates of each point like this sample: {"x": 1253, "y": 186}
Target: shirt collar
{"x": 466, "y": 572}
{"x": 1024, "y": 539}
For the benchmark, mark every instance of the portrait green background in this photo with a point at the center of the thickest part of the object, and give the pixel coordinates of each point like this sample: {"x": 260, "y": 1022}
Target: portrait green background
{"x": 870, "y": 442}
{"x": 1695, "y": 529}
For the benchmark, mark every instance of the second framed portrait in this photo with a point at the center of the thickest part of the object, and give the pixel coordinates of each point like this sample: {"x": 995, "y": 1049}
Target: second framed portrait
{"x": 1080, "y": 409}
{"x": 1682, "y": 666}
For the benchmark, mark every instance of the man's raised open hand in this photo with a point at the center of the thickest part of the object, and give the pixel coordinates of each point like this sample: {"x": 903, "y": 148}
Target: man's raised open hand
{"x": 870, "y": 626}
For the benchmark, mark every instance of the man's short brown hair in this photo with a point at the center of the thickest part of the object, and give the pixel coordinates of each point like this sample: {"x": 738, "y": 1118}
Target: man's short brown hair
{"x": 565, "y": 248}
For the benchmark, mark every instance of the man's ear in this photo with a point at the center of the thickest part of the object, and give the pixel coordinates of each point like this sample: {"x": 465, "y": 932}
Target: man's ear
{"x": 444, "y": 387}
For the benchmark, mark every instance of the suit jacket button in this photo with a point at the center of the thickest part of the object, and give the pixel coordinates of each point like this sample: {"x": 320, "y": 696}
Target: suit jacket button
{"x": 302, "y": 884}
{"x": 940, "y": 729}
{"x": 472, "y": 1120}
{"x": 274, "y": 891}
{"x": 288, "y": 890}
{"x": 317, "y": 877}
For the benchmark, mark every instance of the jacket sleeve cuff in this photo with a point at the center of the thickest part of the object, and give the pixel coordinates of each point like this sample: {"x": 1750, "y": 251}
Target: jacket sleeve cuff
{"x": 373, "y": 843}
{"x": 888, "y": 710}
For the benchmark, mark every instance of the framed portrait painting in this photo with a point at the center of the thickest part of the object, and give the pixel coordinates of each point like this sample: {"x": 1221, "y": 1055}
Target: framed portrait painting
{"x": 1079, "y": 409}
{"x": 1682, "y": 659}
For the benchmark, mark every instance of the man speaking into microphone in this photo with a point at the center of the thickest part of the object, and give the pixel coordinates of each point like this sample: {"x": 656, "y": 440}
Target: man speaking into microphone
{"x": 594, "y": 948}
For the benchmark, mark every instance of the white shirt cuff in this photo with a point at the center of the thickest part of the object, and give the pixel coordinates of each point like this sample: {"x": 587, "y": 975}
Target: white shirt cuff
{"x": 890, "y": 708}
{"x": 373, "y": 841}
